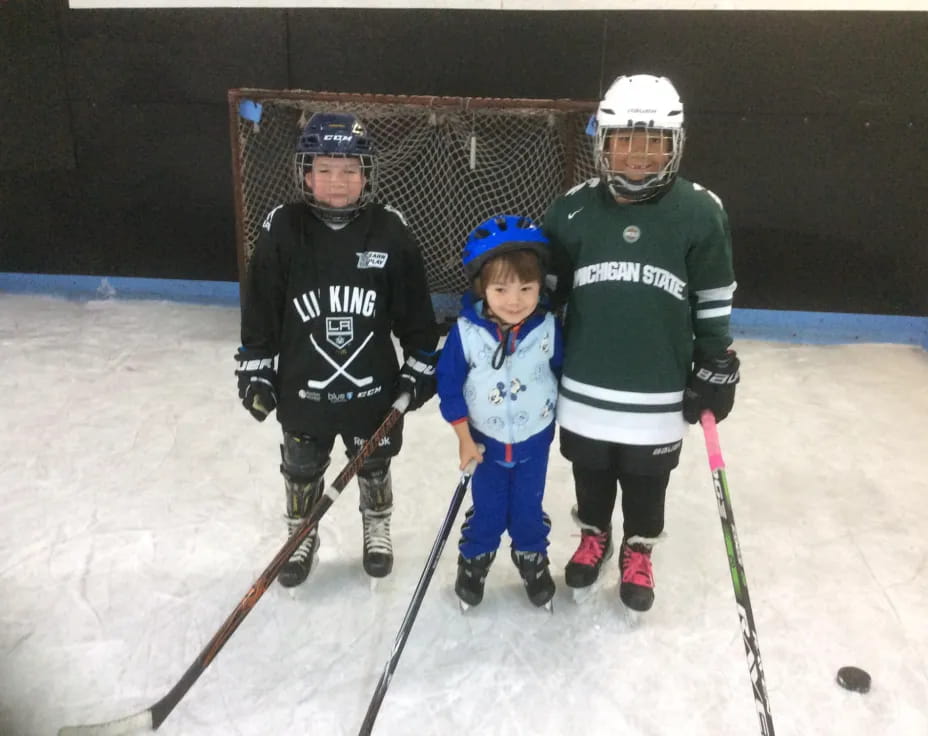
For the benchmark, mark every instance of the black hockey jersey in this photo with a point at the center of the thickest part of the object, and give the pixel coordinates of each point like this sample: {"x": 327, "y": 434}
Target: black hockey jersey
{"x": 325, "y": 301}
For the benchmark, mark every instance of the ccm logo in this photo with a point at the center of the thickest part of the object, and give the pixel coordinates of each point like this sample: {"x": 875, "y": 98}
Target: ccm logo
{"x": 336, "y": 137}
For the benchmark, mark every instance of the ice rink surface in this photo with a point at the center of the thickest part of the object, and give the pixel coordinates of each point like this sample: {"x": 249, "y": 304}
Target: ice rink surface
{"x": 140, "y": 502}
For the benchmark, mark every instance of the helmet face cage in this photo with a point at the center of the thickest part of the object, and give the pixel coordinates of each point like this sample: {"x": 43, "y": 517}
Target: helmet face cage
{"x": 652, "y": 106}
{"x": 337, "y": 135}
{"x": 638, "y": 189}
{"x": 500, "y": 234}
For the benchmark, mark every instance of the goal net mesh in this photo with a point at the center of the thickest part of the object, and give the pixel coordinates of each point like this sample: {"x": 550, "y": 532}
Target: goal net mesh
{"x": 445, "y": 163}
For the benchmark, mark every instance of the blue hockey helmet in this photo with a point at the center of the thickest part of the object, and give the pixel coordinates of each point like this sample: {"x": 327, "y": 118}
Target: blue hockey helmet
{"x": 335, "y": 134}
{"x": 499, "y": 235}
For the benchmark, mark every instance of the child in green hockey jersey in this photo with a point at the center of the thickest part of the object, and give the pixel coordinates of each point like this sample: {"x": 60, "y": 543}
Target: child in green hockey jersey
{"x": 643, "y": 258}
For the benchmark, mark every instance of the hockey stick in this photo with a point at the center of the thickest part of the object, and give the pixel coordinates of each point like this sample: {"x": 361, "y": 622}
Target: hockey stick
{"x": 738, "y": 579}
{"x": 150, "y": 718}
{"x": 417, "y": 596}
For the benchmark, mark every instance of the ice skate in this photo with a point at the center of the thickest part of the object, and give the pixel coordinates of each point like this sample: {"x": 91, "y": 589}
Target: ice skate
{"x": 376, "y": 508}
{"x": 533, "y": 569}
{"x": 378, "y": 547}
{"x": 303, "y": 490}
{"x": 298, "y": 567}
{"x": 583, "y": 569}
{"x": 472, "y": 574}
{"x": 637, "y": 587}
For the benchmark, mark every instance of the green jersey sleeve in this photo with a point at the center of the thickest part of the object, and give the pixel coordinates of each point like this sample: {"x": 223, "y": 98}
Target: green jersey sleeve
{"x": 711, "y": 276}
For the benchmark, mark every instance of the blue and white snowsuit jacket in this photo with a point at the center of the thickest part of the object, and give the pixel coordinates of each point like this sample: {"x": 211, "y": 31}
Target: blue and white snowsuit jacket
{"x": 510, "y": 408}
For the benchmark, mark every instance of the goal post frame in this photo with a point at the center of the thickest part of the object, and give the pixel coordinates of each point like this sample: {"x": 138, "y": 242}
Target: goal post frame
{"x": 566, "y": 114}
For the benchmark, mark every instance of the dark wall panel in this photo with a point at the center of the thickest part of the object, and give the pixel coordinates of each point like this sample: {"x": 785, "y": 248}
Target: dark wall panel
{"x": 456, "y": 53}
{"x": 779, "y": 63}
{"x": 141, "y": 205}
{"x": 825, "y": 215}
{"x": 114, "y": 155}
{"x": 162, "y": 201}
{"x": 189, "y": 56}
{"x": 34, "y": 124}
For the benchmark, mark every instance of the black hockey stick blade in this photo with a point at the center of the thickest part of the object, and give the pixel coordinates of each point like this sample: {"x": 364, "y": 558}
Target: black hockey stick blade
{"x": 138, "y": 723}
{"x": 151, "y": 718}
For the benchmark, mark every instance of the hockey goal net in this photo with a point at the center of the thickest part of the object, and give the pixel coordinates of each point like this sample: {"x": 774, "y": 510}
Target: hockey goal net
{"x": 446, "y": 163}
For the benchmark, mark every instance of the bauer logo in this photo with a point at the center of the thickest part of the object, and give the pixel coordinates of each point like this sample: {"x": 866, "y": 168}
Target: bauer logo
{"x": 631, "y": 234}
{"x": 372, "y": 259}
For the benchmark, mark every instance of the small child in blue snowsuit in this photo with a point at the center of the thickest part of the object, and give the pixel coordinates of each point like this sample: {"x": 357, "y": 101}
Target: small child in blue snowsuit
{"x": 497, "y": 384}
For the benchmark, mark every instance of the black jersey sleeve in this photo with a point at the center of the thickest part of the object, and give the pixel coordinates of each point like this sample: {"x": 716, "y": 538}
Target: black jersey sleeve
{"x": 265, "y": 288}
{"x": 411, "y": 312}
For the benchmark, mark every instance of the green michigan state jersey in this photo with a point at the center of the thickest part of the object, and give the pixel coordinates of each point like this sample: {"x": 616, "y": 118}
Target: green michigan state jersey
{"x": 647, "y": 285}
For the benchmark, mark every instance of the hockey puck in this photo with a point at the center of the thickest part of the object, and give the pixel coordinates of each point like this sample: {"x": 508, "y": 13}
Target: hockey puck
{"x": 854, "y": 679}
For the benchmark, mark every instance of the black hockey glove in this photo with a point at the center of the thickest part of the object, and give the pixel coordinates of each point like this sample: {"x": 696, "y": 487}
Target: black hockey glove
{"x": 256, "y": 378}
{"x": 711, "y": 386}
{"x": 417, "y": 378}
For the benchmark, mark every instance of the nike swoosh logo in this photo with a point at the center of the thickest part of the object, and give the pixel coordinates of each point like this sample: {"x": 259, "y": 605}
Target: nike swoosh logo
{"x": 571, "y": 215}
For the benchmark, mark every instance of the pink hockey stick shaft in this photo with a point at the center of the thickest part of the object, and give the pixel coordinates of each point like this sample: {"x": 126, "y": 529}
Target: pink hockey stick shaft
{"x": 711, "y": 431}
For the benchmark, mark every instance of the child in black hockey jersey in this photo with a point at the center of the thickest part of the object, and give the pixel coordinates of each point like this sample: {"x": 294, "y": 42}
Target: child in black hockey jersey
{"x": 497, "y": 383}
{"x": 330, "y": 279}
{"x": 644, "y": 257}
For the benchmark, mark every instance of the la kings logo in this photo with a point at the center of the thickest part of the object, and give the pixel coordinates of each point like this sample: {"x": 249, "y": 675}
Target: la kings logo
{"x": 339, "y": 331}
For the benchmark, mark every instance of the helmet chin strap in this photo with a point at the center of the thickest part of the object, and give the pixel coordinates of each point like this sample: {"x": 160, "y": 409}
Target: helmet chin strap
{"x": 334, "y": 215}
{"x": 624, "y": 189}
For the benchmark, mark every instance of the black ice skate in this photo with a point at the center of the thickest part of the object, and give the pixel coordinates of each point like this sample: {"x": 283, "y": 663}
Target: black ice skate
{"x": 296, "y": 569}
{"x": 472, "y": 573}
{"x": 533, "y": 567}
{"x": 378, "y": 547}
{"x": 637, "y": 587}
{"x": 594, "y": 549}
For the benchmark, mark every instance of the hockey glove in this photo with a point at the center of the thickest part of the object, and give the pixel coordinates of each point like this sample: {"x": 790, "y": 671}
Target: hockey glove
{"x": 256, "y": 378}
{"x": 417, "y": 378}
{"x": 711, "y": 386}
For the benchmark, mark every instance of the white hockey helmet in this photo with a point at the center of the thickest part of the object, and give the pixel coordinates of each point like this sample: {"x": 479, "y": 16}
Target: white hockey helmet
{"x": 642, "y": 102}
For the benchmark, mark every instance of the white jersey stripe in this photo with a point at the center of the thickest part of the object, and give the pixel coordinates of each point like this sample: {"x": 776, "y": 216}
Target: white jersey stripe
{"x": 721, "y": 294}
{"x": 710, "y": 313}
{"x": 621, "y": 397}
{"x": 631, "y": 428}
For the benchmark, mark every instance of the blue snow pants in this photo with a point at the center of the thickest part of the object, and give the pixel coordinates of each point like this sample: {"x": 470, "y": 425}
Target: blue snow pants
{"x": 506, "y": 497}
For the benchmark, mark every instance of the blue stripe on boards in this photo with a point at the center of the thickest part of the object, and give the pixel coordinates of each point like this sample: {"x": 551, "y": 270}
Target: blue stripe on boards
{"x": 822, "y": 328}
{"x": 828, "y": 328}
{"x": 121, "y": 287}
